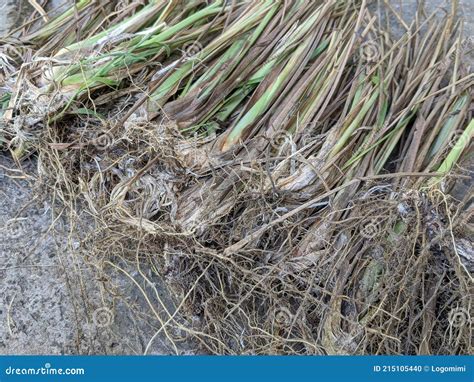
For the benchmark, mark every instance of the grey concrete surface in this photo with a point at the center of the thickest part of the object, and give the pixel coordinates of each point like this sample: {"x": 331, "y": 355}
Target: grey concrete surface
{"x": 51, "y": 301}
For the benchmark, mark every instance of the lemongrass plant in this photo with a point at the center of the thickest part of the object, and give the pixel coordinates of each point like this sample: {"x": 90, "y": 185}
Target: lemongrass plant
{"x": 221, "y": 55}
{"x": 152, "y": 33}
{"x": 91, "y": 71}
{"x": 229, "y": 97}
{"x": 81, "y": 74}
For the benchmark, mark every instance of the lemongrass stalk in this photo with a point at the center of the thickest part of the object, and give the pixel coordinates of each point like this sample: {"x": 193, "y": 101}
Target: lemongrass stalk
{"x": 393, "y": 137}
{"x": 248, "y": 86}
{"x": 209, "y": 77}
{"x": 232, "y": 103}
{"x": 129, "y": 25}
{"x": 299, "y": 33}
{"x": 4, "y": 101}
{"x": 442, "y": 138}
{"x": 228, "y": 106}
{"x": 263, "y": 71}
{"x": 157, "y": 41}
{"x": 283, "y": 50}
{"x": 222, "y": 111}
{"x": 462, "y": 143}
{"x": 161, "y": 94}
{"x": 359, "y": 91}
{"x": 211, "y": 10}
{"x": 355, "y": 123}
{"x": 121, "y": 60}
{"x": 264, "y": 14}
{"x": 235, "y": 48}
{"x": 264, "y": 101}
{"x": 453, "y": 120}
{"x": 367, "y": 146}
{"x": 233, "y": 54}
{"x": 53, "y": 26}
{"x": 240, "y": 47}
{"x": 316, "y": 87}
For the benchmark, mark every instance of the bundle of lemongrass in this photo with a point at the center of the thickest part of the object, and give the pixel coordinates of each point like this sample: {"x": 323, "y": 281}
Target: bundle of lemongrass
{"x": 297, "y": 147}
